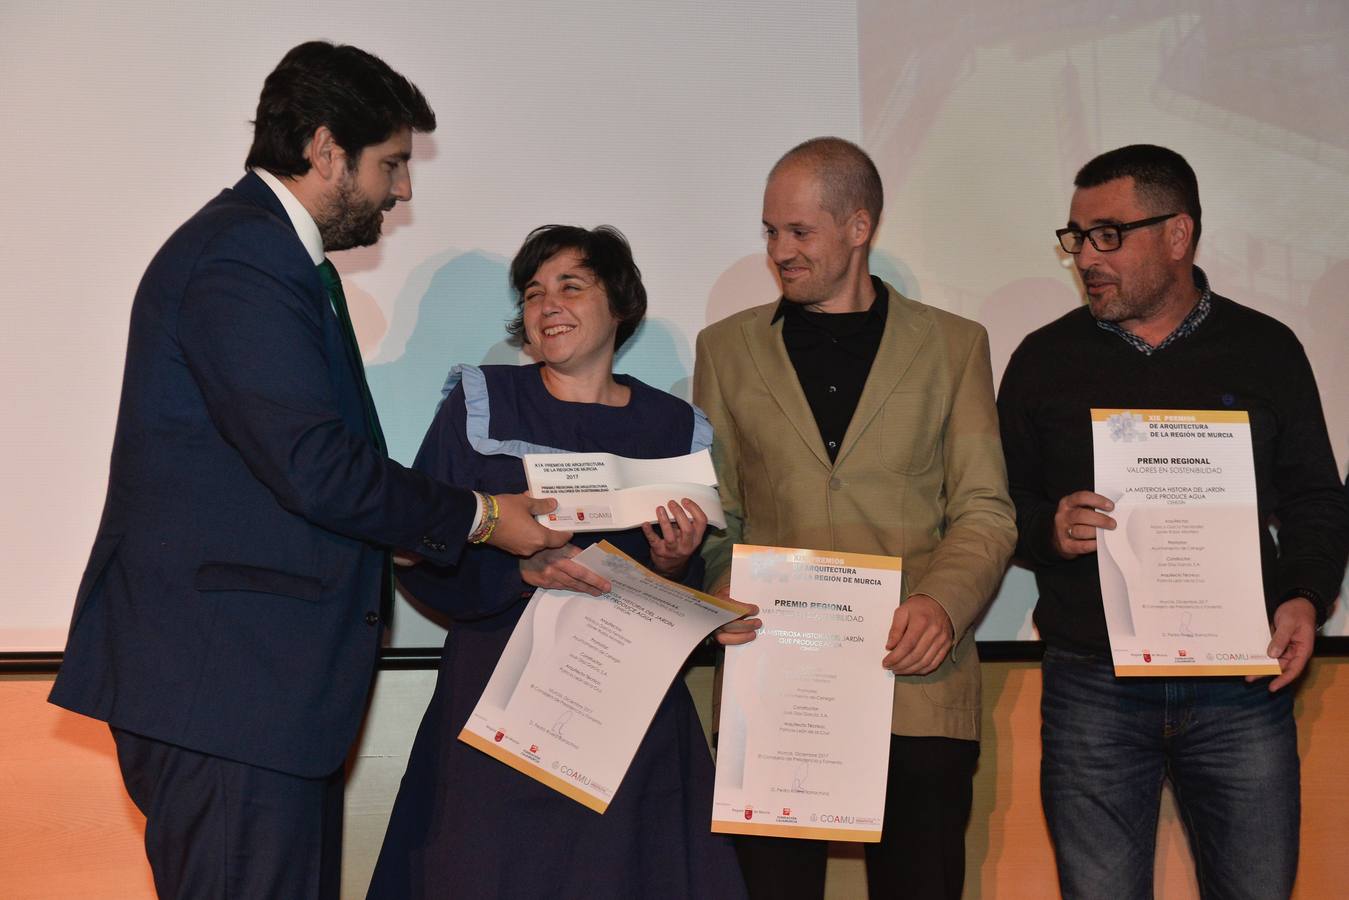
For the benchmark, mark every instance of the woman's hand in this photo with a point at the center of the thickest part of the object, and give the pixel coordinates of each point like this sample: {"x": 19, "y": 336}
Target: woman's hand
{"x": 554, "y": 568}
{"x": 680, "y": 532}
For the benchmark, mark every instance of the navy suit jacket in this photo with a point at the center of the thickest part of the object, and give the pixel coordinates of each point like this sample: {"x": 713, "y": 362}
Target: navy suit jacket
{"x": 230, "y": 604}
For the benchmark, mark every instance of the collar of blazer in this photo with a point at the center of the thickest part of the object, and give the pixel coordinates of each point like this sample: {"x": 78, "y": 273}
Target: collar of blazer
{"x": 252, "y": 188}
{"x": 906, "y": 327}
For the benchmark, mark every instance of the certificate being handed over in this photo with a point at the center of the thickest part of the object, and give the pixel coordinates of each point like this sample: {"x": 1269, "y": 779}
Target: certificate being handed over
{"x": 1180, "y": 573}
{"x": 804, "y": 744}
{"x": 603, "y": 492}
{"x": 581, "y": 677}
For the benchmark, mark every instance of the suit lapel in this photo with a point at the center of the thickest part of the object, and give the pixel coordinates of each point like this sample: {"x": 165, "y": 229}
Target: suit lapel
{"x": 906, "y": 327}
{"x": 763, "y": 338}
{"x": 365, "y": 419}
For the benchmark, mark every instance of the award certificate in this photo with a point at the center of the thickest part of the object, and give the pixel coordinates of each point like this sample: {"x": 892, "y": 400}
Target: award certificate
{"x": 603, "y": 492}
{"x": 804, "y": 743}
{"x": 1180, "y": 573}
{"x": 581, "y": 676}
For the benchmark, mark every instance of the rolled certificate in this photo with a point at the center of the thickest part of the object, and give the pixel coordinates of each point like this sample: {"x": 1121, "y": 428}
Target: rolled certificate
{"x": 604, "y": 492}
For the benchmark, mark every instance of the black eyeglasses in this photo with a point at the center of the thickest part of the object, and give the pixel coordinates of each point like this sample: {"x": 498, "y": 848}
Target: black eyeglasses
{"x": 1104, "y": 237}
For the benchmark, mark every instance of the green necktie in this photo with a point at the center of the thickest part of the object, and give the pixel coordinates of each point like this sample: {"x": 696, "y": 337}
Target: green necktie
{"x": 331, "y": 281}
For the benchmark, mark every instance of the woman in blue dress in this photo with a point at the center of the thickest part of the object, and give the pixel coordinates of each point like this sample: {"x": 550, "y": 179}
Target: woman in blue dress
{"x": 464, "y": 824}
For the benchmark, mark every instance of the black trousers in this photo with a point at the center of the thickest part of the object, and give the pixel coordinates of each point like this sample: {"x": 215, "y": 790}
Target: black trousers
{"x": 921, "y": 854}
{"x": 216, "y": 828}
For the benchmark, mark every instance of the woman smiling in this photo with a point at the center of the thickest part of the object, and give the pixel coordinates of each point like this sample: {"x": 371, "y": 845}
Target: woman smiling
{"x": 463, "y": 823}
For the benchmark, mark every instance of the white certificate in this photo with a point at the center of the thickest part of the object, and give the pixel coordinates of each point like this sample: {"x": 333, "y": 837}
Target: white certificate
{"x": 1180, "y": 573}
{"x": 603, "y": 492}
{"x": 582, "y": 676}
{"x": 804, "y": 743}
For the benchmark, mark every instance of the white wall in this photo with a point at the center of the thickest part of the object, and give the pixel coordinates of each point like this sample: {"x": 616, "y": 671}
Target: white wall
{"x": 662, "y": 119}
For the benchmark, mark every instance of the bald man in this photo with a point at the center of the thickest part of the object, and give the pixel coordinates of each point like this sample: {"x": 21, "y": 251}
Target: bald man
{"x": 851, "y": 418}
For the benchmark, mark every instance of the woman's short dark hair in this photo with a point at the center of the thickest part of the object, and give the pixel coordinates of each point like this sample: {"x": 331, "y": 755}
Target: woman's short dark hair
{"x": 604, "y": 251}
{"x": 354, "y": 93}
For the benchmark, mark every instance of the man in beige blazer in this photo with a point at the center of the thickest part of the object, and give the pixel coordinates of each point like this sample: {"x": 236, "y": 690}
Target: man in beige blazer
{"x": 848, "y": 417}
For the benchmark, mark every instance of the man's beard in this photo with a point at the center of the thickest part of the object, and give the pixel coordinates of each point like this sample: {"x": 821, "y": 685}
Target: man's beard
{"x": 348, "y": 220}
{"x": 1142, "y": 297}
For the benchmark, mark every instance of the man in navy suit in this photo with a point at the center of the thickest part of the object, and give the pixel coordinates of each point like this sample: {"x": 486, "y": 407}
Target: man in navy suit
{"x": 228, "y": 623}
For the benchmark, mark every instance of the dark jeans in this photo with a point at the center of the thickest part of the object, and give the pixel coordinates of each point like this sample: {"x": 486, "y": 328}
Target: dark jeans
{"x": 1229, "y": 749}
{"x": 216, "y": 828}
{"x": 921, "y": 854}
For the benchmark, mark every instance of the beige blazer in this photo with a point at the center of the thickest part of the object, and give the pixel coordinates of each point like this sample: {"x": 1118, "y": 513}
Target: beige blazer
{"x": 919, "y": 475}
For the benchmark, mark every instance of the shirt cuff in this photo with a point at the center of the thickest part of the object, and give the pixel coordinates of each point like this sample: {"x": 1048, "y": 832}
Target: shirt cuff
{"x": 477, "y": 515}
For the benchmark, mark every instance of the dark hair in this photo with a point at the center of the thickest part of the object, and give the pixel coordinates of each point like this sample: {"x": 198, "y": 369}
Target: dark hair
{"x": 1164, "y": 181}
{"x": 604, "y": 251}
{"x": 848, "y": 178}
{"x": 354, "y": 93}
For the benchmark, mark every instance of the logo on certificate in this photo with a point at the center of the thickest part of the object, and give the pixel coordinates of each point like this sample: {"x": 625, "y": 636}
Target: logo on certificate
{"x": 533, "y": 748}
{"x": 749, "y": 813}
{"x": 1147, "y": 657}
{"x": 580, "y": 515}
{"x": 1126, "y": 427}
{"x": 499, "y": 736}
{"x": 786, "y": 811}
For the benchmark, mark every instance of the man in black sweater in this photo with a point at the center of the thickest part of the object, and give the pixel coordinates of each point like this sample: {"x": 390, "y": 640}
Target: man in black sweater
{"x": 1154, "y": 336}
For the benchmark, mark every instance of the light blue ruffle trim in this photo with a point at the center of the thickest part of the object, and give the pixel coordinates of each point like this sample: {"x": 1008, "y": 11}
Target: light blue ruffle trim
{"x": 702, "y": 431}
{"x": 480, "y": 415}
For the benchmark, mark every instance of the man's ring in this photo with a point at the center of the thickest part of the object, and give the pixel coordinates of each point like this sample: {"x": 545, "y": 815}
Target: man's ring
{"x": 1070, "y": 533}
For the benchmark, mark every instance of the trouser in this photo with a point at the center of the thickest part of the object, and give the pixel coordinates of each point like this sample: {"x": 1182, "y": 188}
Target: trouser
{"x": 921, "y": 854}
{"x": 216, "y": 828}
{"x": 1228, "y": 747}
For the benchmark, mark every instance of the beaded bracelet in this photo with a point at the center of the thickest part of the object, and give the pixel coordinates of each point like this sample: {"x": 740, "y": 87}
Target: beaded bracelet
{"x": 491, "y": 514}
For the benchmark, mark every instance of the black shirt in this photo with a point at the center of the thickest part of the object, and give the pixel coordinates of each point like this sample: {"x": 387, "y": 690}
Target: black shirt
{"x": 832, "y": 354}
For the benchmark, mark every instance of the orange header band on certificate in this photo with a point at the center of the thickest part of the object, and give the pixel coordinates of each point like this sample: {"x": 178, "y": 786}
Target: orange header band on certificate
{"x": 1178, "y": 416}
{"x": 827, "y": 557}
{"x": 683, "y": 589}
